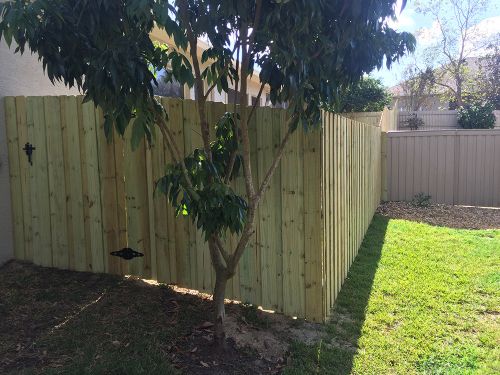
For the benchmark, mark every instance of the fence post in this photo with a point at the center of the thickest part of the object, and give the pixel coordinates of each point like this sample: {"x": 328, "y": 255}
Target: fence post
{"x": 456, "y": 167}
{"x": 383, "y": 177}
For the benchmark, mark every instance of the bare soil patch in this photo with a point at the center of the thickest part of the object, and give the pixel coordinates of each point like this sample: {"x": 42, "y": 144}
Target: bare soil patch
{"x": 62, "y": 321}
{"x": 461, "y": 217}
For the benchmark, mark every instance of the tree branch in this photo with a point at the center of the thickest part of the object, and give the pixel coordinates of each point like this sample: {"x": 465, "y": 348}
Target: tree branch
{"x": 215, "y": 256}
{"x": 248, "y": 231}
{"x": 245, "y": 141}
{"x": 232, "y": 158}
{"x": 221, "y": 249}
{"x": 274, "y": 165}
{"x": 200, "y": 97}
{"x": 247, "y": 53}
{"x": 176, "y": 156}
{"x": 256, "y": 102}
{"x": 214, "y": 85}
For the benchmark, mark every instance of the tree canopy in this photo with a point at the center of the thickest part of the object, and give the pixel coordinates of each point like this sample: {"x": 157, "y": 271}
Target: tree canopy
{"x": 458, "y": 42}
{"x": 367, "y": 95}
{"x": 418, "y": 86}
{"x": 489, "y": 83}
{"x": 305, "y": 51}
{"x": 104, "y": 48}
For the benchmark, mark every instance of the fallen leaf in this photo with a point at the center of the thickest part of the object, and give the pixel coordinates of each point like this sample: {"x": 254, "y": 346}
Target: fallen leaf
{"x": 205, "y": 325}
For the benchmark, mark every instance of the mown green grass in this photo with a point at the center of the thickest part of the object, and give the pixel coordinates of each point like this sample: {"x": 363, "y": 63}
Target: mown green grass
{"x": 419, "y": 299}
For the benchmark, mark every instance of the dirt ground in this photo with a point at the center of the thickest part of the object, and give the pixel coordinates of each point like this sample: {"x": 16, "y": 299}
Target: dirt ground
{"x": 54, "y": 319}
{"x": 461, "y": 217}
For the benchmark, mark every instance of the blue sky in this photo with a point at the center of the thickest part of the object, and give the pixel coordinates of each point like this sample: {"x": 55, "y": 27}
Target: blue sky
{"x": 411, "y": 21}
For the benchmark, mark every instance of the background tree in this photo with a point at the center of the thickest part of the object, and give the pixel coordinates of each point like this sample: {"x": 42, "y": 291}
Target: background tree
{"x": 418, "y": 87}
{"x": 458, "y": 40}
{"x": 367, "y": 95}
{"x": 489, "y": 82}
{"x": 307, "y": 51}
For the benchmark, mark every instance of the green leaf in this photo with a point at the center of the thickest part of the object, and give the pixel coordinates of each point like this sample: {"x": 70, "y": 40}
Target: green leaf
{"x": 137, "y": 133}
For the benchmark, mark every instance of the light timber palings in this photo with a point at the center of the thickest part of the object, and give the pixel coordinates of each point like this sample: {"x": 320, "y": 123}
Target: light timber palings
{"x": 73, "y": 181}
{"x": 15, "y": 177}
{"x": 42, "y": 255}
{"x": 267, "y": 230}
{"x": 93, "y": 200}
{"x": 24, "y": 174}
{"x": 107, "y": 176}
{"x": 137, "y": 204}
{"x": 253, "y": 248}
{"x": 313, "y": 272}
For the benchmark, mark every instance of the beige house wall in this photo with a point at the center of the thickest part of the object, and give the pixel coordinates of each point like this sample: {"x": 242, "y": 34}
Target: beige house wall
{"x": 431, "y": 103}
{"x": 253, "y": 81}
{"x": 19, "y": 75}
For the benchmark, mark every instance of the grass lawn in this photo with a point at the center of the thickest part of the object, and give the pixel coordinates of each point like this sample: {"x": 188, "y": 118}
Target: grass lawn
{"x": 419, "y": 299}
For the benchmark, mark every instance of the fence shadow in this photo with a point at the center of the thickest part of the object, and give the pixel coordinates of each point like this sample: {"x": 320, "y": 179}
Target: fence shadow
{"x": 349, "y": 311}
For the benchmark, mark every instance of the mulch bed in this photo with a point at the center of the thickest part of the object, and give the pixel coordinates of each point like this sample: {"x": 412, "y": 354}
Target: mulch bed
{"x": 41, "y": 308}
{"x": 461, "y": 217}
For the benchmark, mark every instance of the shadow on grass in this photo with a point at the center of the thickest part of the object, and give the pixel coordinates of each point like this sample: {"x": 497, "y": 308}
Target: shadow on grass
{"x": 336, "y": 354}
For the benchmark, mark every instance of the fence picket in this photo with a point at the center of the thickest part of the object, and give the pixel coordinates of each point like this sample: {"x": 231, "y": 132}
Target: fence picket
{"x": 57, "y": 188}
{"x": 15, "y": 177}
{"x": 24, "y": 173}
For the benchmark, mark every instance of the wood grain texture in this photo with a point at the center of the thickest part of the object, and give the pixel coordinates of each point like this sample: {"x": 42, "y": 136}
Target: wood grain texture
{"x": 16, "y": 194}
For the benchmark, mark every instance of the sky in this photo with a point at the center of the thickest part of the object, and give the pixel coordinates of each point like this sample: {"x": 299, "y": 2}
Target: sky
{"x": 425, "y": 29}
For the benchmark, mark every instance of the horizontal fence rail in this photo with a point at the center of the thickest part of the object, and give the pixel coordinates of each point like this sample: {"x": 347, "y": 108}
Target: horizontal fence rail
{"x": 82, "y": 198}
{"x": 452, "y": 166}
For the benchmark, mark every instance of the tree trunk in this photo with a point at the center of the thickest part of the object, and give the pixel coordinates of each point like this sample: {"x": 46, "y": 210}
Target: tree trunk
{"x": 219, "y": 310}
{"x": 459, "y": 98}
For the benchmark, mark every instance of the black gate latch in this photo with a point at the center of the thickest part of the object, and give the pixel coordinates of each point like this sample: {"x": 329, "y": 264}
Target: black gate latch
{"x": 28, "y": 149}
{"x": 127, "y": 253}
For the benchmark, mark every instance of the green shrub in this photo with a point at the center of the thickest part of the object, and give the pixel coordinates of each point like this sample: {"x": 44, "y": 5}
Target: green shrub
{"x": 414, "y": 122}
{"x": 421, "y": 200}
{"x": 476, "y": 116}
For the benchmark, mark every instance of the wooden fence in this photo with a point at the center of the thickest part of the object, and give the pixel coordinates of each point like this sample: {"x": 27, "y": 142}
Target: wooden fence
{"x": 83, "y": 198}
{"x": 387, "y": 120}
{"x": 453, "y": 166}
{"x": 370, "y": 118}
{"x": 351, "y": 166}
